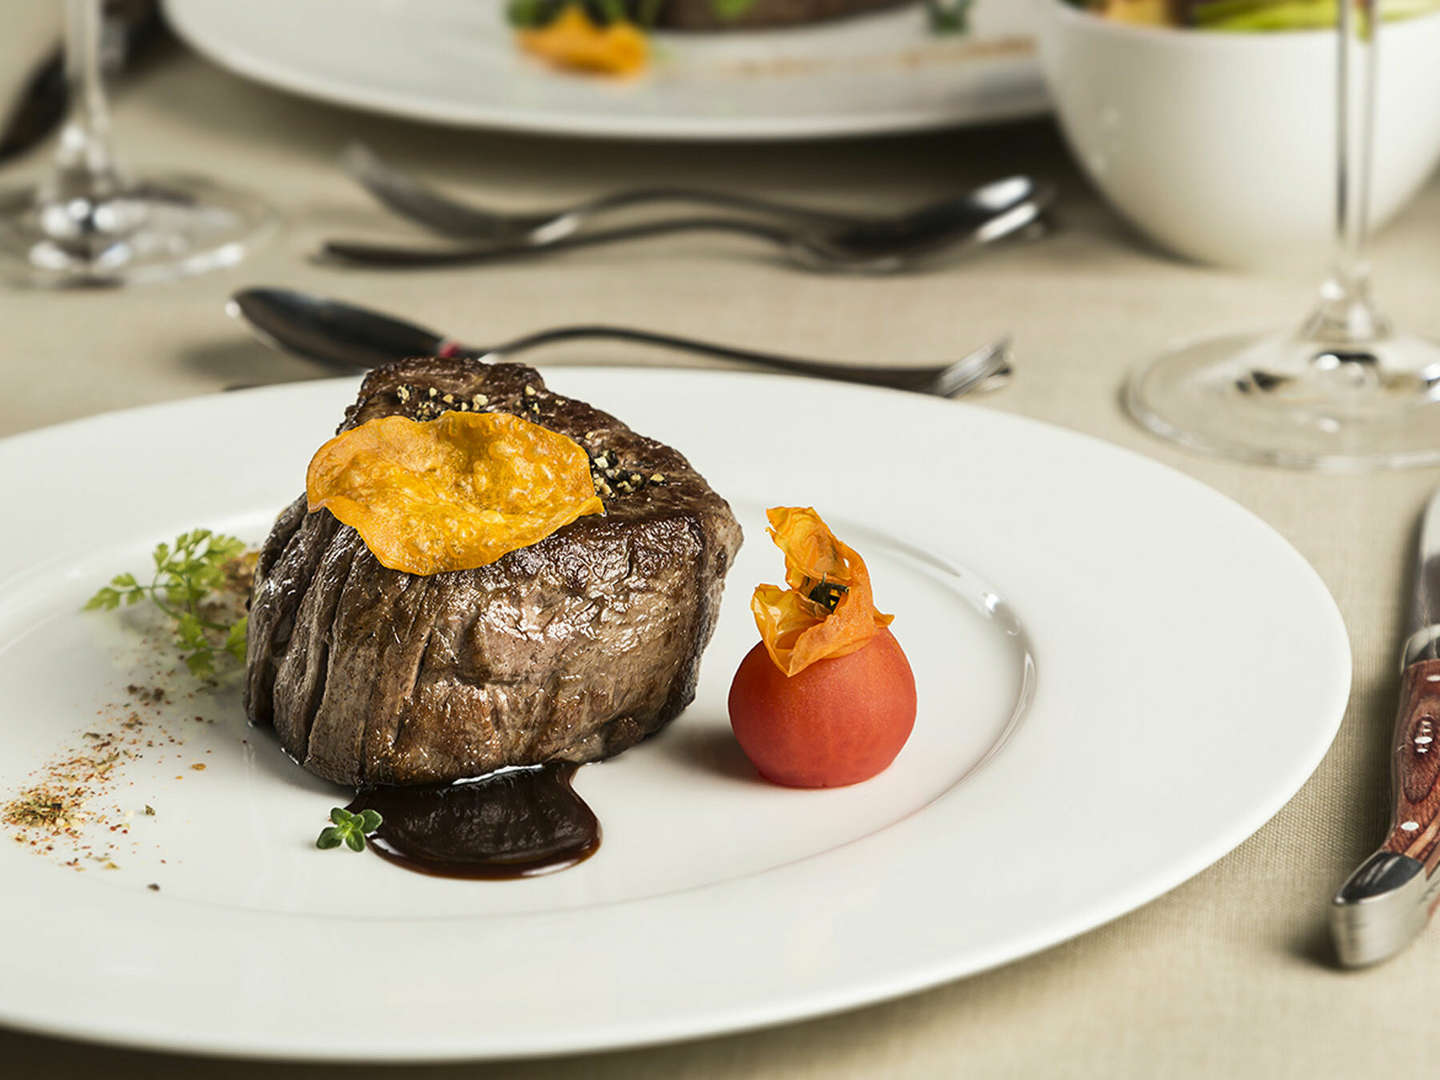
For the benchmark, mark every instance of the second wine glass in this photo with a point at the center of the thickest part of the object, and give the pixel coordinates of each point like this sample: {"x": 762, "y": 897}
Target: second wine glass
{"x": 1345, "y": 391}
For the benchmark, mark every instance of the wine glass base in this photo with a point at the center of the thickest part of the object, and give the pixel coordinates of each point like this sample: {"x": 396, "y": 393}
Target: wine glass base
{"x": 1284, "y": 400}
{"x": 155, "y": 230}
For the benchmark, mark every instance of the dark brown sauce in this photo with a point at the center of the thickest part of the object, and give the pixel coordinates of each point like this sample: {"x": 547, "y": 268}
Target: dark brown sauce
{"x": 509, "y": 824}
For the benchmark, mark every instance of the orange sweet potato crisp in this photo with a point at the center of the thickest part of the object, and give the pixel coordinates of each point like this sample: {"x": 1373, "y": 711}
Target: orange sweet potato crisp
{"x": 454, "y": 493}
{"x": 828, "y": 609}
{"x": 573, "y": 41}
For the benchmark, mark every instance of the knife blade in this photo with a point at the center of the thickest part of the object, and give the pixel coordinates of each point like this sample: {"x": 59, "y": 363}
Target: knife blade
{"x": 1388, "y": 900}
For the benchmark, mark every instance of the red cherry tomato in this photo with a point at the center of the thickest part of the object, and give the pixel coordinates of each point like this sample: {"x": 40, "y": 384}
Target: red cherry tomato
{"x": 837, "y": 722}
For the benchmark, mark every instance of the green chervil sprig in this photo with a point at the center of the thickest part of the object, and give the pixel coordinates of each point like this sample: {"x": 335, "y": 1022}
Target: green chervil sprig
{"x": 187, "y": 573}
{"x": 349, "y": 829}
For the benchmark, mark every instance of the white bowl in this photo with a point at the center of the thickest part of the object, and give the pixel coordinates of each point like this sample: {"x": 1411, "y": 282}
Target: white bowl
{"x": 1221, "y": 146}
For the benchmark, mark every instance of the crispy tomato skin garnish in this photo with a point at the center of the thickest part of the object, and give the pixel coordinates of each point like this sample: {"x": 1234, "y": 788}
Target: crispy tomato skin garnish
{"x": 454, "y": 493}
{"x": 827, "y": 698}
{"x": 827, "y": 610}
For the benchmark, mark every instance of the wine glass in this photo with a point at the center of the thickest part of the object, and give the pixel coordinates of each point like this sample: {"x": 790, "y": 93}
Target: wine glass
{"x": 89, "y": 223}
{"x": 1345, "y": 391}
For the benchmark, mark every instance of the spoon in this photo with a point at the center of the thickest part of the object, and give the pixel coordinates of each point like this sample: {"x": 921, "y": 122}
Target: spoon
{"x": 989, "y": 213}
{"x": 412, "y": 199}
{"x": 351, "y": 338}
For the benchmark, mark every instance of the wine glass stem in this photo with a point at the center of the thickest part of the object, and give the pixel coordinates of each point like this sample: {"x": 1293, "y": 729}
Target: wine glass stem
{"x": 85, "y": 166}
{"x": 1346, "y": 314}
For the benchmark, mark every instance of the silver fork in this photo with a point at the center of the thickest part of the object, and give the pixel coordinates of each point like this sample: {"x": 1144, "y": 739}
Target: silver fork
{"x": 995, "y": 209}
{"x": 416, "y": 201}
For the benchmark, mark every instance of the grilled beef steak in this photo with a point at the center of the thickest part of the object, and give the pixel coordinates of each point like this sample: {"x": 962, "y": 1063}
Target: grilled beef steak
{"x": 571, "y": 649}
{"x": 702, "y": 15}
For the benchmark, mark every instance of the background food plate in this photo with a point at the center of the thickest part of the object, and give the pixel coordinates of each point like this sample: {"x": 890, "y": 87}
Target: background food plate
{"x": 1175, "y": 639}
{"x": 454, "y": 61}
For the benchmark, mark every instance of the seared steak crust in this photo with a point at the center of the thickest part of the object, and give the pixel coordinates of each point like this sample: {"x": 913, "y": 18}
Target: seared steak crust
{"x": 700, "y": 14}
{"x": 572, "y": 649}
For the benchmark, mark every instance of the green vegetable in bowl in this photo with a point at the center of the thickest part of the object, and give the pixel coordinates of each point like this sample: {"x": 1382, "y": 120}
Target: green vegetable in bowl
{"x": 1292, "y": 14}
{"x": 1244, "y": 15}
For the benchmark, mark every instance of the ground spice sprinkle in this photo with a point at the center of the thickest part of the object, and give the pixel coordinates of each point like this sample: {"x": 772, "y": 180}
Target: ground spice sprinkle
{"x": 69, "y": 809}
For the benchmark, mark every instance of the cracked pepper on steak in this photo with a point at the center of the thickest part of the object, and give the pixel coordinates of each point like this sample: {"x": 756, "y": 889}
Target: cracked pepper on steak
{"x": 571, "y": 649}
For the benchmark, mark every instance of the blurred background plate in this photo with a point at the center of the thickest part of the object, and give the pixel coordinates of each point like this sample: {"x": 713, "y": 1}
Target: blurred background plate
{"x": 454, "y": 62}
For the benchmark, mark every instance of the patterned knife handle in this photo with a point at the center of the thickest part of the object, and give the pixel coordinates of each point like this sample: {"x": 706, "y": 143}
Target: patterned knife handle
{"x": 1415, "y": 767}
{"x": 1387, "y": 901}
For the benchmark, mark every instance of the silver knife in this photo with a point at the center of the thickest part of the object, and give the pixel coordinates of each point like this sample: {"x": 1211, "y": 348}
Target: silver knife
{"x": 1388, "y": 900}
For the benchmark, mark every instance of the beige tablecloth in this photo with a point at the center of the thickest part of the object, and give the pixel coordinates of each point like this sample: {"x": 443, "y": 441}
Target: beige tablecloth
{"x": 1226, "y": 975}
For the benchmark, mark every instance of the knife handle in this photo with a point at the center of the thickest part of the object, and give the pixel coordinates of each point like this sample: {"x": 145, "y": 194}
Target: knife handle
{"x": 1415, "y": 767}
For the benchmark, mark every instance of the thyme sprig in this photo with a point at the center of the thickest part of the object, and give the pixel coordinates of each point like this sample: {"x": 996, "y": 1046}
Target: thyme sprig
{"x": 349, "y": 829}
{"x": 189, "y": 575}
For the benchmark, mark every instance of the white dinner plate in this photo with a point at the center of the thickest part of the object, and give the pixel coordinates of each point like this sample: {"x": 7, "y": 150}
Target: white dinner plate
{"x": 1170, "y": 640}
{"x": 455, "y": 61}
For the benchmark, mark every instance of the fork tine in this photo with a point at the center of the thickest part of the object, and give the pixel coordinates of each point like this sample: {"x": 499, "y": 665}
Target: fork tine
{"x": 984, "y": 366}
